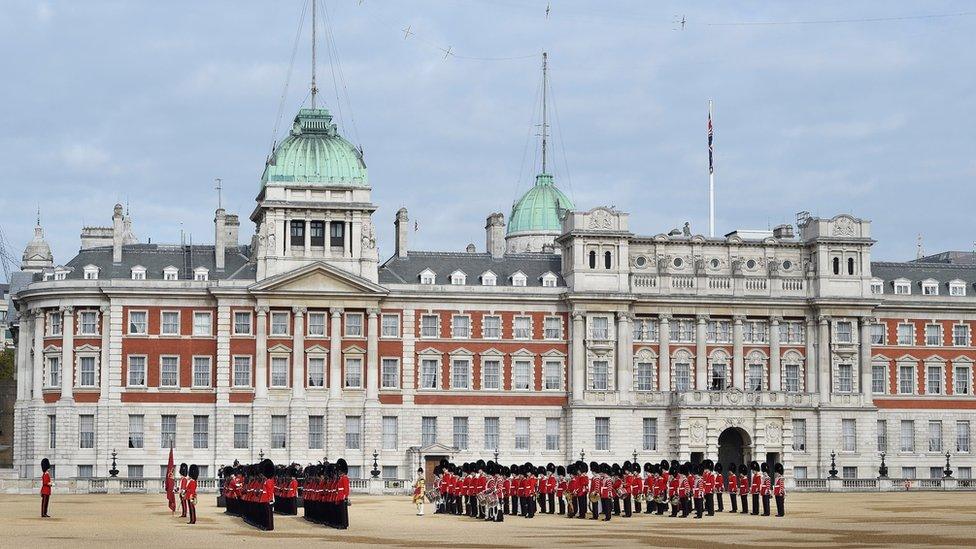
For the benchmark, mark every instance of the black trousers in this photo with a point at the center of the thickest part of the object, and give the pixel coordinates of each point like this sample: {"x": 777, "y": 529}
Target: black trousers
{"x": 637, "y": 506}
{"x": 699, "y": 507}
{"x": 718, "y": 499}
{"x": 765, "y": 504}
{"x": 616, "y": 505}
{"x": 562, "y": 504}
{"x": 542, "y": 499}
{"x": 627, "y": 506}
{"x": 662, "y": 508}
{"x": 580, "y": 506}
{"x": 552, "y": 503}
{"x": 505, "y": 506}
{"x": 734, "y": 502}
{"x": 515, "y": 505}
{"x": 182, "y": 506}
{"x": 675, "y": 507}
{"x": 594, "y": 510}
{"x": 685, "y": 506}
{"x": 744, "y": 499}
{"x": 45, "y": 499}
{"x": 606, "y": 503}
{"x": 710, "y": 504}
{"x": 193, "y": 512}
{"x": 755, "y": 504}
{"x": 780, "y": 506}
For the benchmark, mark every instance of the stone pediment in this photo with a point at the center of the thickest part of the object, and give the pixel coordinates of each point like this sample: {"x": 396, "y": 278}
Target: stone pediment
{"x": 318, "y": 278}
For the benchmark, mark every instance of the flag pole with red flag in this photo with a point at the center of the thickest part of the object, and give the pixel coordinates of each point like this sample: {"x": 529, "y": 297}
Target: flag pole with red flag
{"x": 170, "y": 481}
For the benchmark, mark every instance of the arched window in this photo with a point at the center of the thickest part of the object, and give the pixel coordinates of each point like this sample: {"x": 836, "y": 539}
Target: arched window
{"x": 592, "y": 259}
{"x": 606, "y": 260}
{"x": 850, "y": 265}
{"x": 836, "y": 265}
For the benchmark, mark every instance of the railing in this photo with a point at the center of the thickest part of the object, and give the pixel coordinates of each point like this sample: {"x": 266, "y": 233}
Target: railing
{"x": 133, "y": 485}
{"x": 683, "y": 282}
{"x": 756, "y": 284}
{"x": 811, "y": 484}
{"x": 792, "y": 284}
{"x": 358, "y": 484}
{"x": 645, "y": 281}
{"x": 929, "y": 483}
{"x": 860, "y": 483}
{"x": 720, "y": 283}
{"x": 97, "y": 486}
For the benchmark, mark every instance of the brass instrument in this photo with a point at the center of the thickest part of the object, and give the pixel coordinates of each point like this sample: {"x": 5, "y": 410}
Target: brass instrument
{"x": 594, "y": 497}
{"x": 641, "y": 498}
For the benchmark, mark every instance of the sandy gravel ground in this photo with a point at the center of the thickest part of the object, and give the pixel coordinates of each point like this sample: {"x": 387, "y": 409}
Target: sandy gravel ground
{"x": 918, "y": 519}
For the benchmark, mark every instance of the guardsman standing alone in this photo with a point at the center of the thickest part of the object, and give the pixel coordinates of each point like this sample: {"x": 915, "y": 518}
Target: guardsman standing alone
{"x": 191, "y": 493}
{"x": 46, "y": 485}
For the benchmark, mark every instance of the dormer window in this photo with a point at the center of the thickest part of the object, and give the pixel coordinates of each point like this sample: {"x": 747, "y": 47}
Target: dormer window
{"x": 171, "y": 273}
{"x": 518, "y": 278}
{"x": 138, "y": 272}
{"x": 201, "y": 274}
{"x": 877, "y": 287}
{"x": 458, "y": 278}
{"x": 428, "y": 277}
{"x": 548, "y": 280}
{"x": 488, "y": 278}
{"x": 60, "y": 273}
{"x": 930, "y": 287}
{"x": 903, "y": 287}
{"x": 957, "y": 288}
{"x": 91, "y": 272}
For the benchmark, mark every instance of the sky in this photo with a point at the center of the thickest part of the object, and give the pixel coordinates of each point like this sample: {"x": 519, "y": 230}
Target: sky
{"x": 145, "y": 103}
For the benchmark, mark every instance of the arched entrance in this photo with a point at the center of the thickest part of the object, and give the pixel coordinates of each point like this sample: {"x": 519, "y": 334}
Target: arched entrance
{"x": 734, "y": 446}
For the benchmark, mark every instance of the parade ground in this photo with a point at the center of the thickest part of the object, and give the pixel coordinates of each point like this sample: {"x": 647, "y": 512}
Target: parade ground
{"x": 918, "y": 519}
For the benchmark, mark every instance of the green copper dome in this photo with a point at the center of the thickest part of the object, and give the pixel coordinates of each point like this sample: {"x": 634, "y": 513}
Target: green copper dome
{"x": 539, "y": 209}
{"x": 315, "y": 154}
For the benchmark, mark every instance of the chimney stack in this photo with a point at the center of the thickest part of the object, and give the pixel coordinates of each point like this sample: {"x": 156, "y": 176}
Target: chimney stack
{"x": 118, "y": 234}
{"x": 220, "y": 234}
{"x": 402, "y": 226}
{"x": 495, "y": 235}
{"x": 783, "y": 232}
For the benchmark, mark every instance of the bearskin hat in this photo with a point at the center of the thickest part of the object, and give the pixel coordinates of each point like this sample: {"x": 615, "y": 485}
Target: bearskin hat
{"x": 551, "y": 467}
{"x": 718, "y": 467}
{"x": 684, "y": 468}
{"x": 444, "y": 462}
{"x": 743, "y": 469}
{"x": 45, "y": 465}
{"x": 708, "y": 465}
{"x": 754, "y": 465}
{"x": 626, "y": 465}
{"x": 267, "y": 468}
{"x": 665, "y": 464}
{"x": 764, "y": 467}
{"x": 560, "y": 470}
{"x": 194, "y": 471}
{"x": 648, "y": 467}
{"x": 778, "y": 468}
{"x": 595, "y": 467}
{"x": 341, "y": 466}
{"x": 700, "y": 468}
{"x": 183, "y": 469}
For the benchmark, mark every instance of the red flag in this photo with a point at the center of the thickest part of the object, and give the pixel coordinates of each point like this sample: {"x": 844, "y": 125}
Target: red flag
{"x": 170, "y": 482}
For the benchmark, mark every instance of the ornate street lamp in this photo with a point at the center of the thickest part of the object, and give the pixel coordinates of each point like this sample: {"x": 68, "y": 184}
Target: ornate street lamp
{"x": 376, "y": 471}
{"x": 833, "y": 464}
{"x": 582, "y": 455}
{"x": 114, "y": 471}
{"x": 496, "y": 455}
{"x": 883, "y": 470}
{"x": 635, "y": 455}
{"x": 261, "y": 454}
{"x": 947, "y": 472}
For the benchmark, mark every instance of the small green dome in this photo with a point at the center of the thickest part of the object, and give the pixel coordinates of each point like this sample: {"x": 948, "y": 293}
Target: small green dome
{"x": 314, "y": 153}
{"x": 539, "y": 208}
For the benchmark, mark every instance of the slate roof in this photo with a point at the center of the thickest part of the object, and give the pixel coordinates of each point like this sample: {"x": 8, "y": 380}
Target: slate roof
{"x": 406, "y": 270}
{"x": 156, "y": 257}
{"x": 950, "y": 257}
{"x": 917, "y": 271}
{"x": 18, "y": 281}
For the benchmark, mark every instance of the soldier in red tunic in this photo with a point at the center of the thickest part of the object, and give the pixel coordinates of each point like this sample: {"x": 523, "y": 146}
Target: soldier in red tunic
{"x": 779, "y": 490}
{"x": 697, "y": 480}
{"x": 606, "y": 490}
{"x": 675, "y": 479}
{"x": 46, "y": 485}
{"x": 718, "y": 486}
{"x": 582, "y": 489}
{"x": 754, "y": 486}
{"x": 733, "y": 485}
{"x": 183, "y": 481}
{"x": 765, "y": 489}
{"x": 708, "y": 480}
{"x": 744, "y": 488}
{"x": 191, "y": 493}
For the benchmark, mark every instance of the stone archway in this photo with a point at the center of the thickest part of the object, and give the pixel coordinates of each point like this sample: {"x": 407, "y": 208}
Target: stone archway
{"x": 734, "y": 446}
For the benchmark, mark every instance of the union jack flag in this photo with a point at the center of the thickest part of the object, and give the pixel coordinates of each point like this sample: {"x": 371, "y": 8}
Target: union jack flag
{"x": 711, "y": 167}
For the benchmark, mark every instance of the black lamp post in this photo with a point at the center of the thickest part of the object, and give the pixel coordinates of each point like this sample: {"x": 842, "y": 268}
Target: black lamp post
{"x": 261, "y": 454}
{"x": 496, "y": 455}
{"x": 376, "y": 471}
{"x": 883, "y": 470}
{"x": 833, "y": 464}
{"x": 114, "y": 471}
{"x": 635, "y": 455}
{"x": 947, "y": 472}
{"x": 582, "y": 455}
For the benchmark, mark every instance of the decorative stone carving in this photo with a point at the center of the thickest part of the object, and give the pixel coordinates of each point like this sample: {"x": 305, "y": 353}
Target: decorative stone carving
{"x": 369, "y": 235}
{"x": 735, "y": 395}
{"x": 844, "y": 226}
{"x": 697, "y": 432}
{"x": 600, "y": 219}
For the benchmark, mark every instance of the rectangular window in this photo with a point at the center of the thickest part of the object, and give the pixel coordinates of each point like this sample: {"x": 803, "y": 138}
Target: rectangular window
{"x": 645, "y": 376}
{"x": 137, "y": 322}
{"x": 960, "y": 380}
{"x": 279, "y": 323}
{"x": 242, "y": 432}
{"x": 354, "y": 373}
{"x": 965, "y": 473}
{"x": 460, "y": 326}
{"x": 879, "y": 378}
{"x": 799, "y": 435}
{"x": 85, "y": 471}
{"x": 933, "y": 335}
{"x": 720, "y": 377}
{"x": 521, "y": 375}
{"x": 355, "y": 471}
{"x": 908, "y": 472}
{"x": 849, "y": 472}
{"x": 491, "y": 433}
{"x": 134, "y": 471}
{"x": 553, "y": 327}
{"x": 86, "y": 371}
{"x": 428, "y": 373}
{"x": 391, "y": 432}
{"x": 242, "y": 323}
{"x": 645, "y": 329}
{"x": 600, "y": 328}
{"x": 960, "y": 335}
{"x": 390, "y": 373}
{"x": 792, "y": 383}
{"x": 552, "y": 433}
{"x": 461, "y": 433}
{"x": 907, "y": 435}
{"x": 849, "y": 431}
{"x": 316, "y": 432}
{"x": 650, "y": 434}
{"x": 906, "y": 334}
{"x": 491, "y": 373}
{"x": 682, "y": 376}
{"x": 390, "y": 326}
{"x": 167, "y": 431}
{"x": 170, "y": 323}
{"x": 755, "y": 381}
{"x": 935, "y": 436}
{"x": 52, "y": 431}
{"x": 88, "y": 323}
{"x": 242, "y": 371}
{"x": 552, "y": 374}
{"x": 316, "y": 324}
{"x": 428, "y": 326}
{"x": 201, "y": 371}
{"x": 601, "y": 375}
{"x": 201, "y": 431}
{"x": 491, "y": 327}
{"x": 935, "y": 472}
{"x": 337, "y": 234}
{"x": 882, "y": 435}
{"x": 316, "y": 233}
{"x": 279, "y": 371}
{"x": 906, "y": 379}
{"x": 461, "y": 374}
{"x": 800, "y": 472}
{"x": 844, "y": 332}
{"x": 279, "y": 431}
{"x": 137, "y": 431}
{"x": 428, "y": 430}
{"x": 137, "y": 371}
{"x": 933, "y": 380}
{"x": 202, "y": 324}
{"x": 602, "y": 434}
{"x": 522, "y": 327}
{"x": 877, "y": 334}
{"x": 521, "y": 433}
{"x": 169, "y": 371}
{"x": 962, "y": 436}
{"x": 297, "y": 233}
{"x": 845, "y": 378}
{"x": 55, "y": 328}
{"x": 316, "y": 372}
{"x": 54, "y": 370}
{"x": 354, "y": 325}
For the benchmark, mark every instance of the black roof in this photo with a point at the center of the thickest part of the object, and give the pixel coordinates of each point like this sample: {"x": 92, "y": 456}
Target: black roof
{"x": 406, "y": 270}
{"x": 917, "y": 271}
{"x": 156, "y": 257}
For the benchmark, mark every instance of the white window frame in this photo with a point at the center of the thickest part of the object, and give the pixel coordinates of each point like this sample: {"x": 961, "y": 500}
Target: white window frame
{"x": 911, "y": 334}
{"x": 197, "y": 328}
{"x": 845, "y": 378}
{"x": 82, "y": 325}
{"x": 276, "y": 359}
{"x": 197, "y": 361}
{"x": 553, "y": 434}
{"x": 384, "y": 361}
{"x": 936, "y": 339}
{"x": 138, "y": 272}
{"x": 390, "y": 433}
{"x": 319, "y": 362}
{"x": 548, "y": 365}
{"x": 162, "y": 323}
{"x": 385, "y": 331}
{"x": 357, "y": 382}
{"x": 460, "y": 332}
{"x": 498, "y": 382}
{"x": 348, "y": 327}
{"x": 459, "y": 278}
{"x": 250, "y": 323}
{"x": 930, "y": 287}
{"x": 171, "y": 273}
{"x": 523, "y": 433}
{"x": 957, "y": 288}
{"x": 601, "y": 434}
{"x": 128, "y": 371}
{"x": 848, "y": 437}
{"x": 883, "y": 367}
{"x": 517, "y": 363}
{"x": 461, "y": 382}
{"x": 278, "y": 432}
{"x": 272, "y": 324}
{"x": 424, "y": 334}
{"x": 940, "y": 374}
{"x": 82, "y": 357}
{"x": 90, "y": 272}
{"x": 549, "y": 280}
{"x": 201, "y": 274}
{"x": 844, "y": 331}
{"x": 425, "y": 361}
{"x": 489, "y": 278}
{"x": 162, "y": 361}
{"x": 237, "y": 382}
{"x": 518, "y": 279}
{"x": 549, "y": 335}
{"x": 649, "y": 434}
{"x": 521, "y": 333}
{"x": 936, "y": 443}
{"x": 427, "y": 277}
{"x": 967, "y": 374}
{"x": 903, "y": 286}
{"x": 484, "y": 326}
{"x": 313, "y": 331}
{"x": 906, "y": 445}
{"x": 600, "y": 376}
{"x": 877, "y": 286}
{"x": 145, "y": 322}
{"x": 799, "y": 435}
{"x": 901, "y": 378}
{"x": 966, "y": 336}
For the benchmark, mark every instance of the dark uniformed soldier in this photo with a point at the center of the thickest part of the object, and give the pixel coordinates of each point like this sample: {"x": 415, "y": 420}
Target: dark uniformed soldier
{"x": 46, "y": 485}
{"x": 779, "y": 490}
{"x": 744, "y": 488}
{"x": 755, "y": 484}
{"x": 719, "y": 486}
{"x": 765, "y": 489}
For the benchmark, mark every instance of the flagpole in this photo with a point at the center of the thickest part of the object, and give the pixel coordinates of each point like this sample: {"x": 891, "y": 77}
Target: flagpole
{"x": 711, "y": 177}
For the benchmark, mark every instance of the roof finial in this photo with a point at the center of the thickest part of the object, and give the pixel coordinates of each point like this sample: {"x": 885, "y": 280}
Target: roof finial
{"x": 38, "y": 216}
{"x": 219, "y": 188}
{"x": 545, "y": 122}
{"x": 315, "y": 89}
{"x": 918, "y": 252}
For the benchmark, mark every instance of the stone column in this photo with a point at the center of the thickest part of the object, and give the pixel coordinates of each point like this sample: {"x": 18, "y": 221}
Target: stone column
{"x": 810, "y": 383}
{"x": 578, "y": 365}
{"x": 298, "y": 354}
{"x": 865, "y": 360}
{"x": 625, "y": 357}
{"x": 823, "y": 358}
{"x": 335, "y": 353}
{"x": 23, "y": 356}
{"x": 67, "y": 353}
{"x": 38, "y": 376}
{"x": 738, "y": 373}
{"x": 106, "y": 319}
{"x": 664, "y": 352}
{"x": 307, "y": 252}
{"x": 261, "y": 355}
{"x": 774, "y": 365}
{"x": 701, "y": 358}
{"x": 372, "y": 355}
